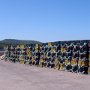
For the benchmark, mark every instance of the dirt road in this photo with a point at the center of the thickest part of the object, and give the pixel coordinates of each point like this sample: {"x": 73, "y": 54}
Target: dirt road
{"x": 25, "y": 77}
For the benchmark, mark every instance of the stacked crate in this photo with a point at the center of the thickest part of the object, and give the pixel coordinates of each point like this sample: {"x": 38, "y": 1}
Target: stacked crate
{"x": 73, "y": 56}
{"x": 42, "y": 55}
{"x": 63, "y": 55}
{"x": 37, "y": 54}
{"x": 84, "y": 57}
{"x": 48, "y": 54}
{"x": 21, "y": 51}
{"x": 89, "y": 57}
{"x": 12, "y": 54}
{"x": 6, "y": 53}
{"x": 18, "y": 53}
{"x": 30, "y": 55}
{"x": 57, "y": 52}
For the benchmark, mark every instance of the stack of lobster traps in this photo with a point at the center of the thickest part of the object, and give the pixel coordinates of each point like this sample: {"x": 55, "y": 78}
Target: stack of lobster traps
{"x": 72, "y": 56}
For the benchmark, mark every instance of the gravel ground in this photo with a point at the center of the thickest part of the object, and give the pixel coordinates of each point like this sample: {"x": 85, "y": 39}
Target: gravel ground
{"x": 24, "y": 77}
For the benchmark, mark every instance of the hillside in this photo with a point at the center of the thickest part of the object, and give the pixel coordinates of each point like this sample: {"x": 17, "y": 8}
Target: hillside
{"x": 16, "y": 42}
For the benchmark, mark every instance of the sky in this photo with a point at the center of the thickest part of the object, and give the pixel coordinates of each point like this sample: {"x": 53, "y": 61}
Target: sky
{"x": 45, "y": 20}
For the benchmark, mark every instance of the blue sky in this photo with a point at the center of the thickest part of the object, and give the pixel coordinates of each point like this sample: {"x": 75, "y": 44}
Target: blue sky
{"x": 45, "y": 20}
